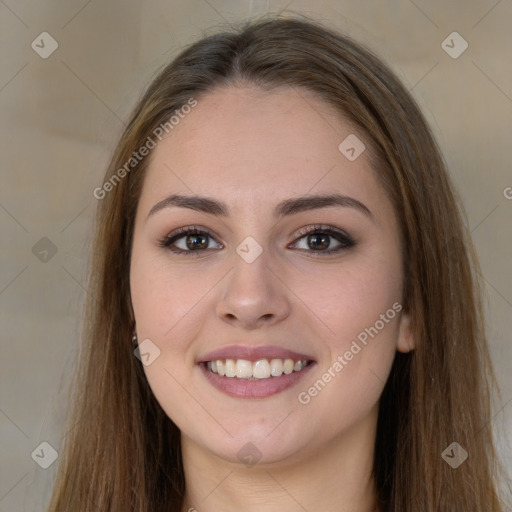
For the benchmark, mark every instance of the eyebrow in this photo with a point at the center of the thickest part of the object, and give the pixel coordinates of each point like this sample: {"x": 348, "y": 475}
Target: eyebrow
{"x": 285, "y": 208}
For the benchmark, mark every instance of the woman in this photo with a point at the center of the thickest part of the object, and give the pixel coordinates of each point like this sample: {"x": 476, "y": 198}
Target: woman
{"x": 282, "y": 313}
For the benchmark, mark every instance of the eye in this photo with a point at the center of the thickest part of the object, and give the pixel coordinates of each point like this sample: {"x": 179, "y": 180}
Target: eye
{"x": 319, "y": 239}
{"x": 192, "y": 240}
{"x": 188, "y": 240}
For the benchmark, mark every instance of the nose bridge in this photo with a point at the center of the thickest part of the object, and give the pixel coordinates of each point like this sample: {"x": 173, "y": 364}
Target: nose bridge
{"x": 249, "y": 271}
{"x": 252, "y": 292}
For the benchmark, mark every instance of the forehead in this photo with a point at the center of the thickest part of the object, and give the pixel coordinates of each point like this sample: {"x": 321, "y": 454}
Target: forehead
{"x": 251, "y": 145}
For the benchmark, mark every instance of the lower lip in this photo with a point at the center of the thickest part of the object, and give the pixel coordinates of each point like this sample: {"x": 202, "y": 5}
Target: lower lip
{"x": 240, "y": 388}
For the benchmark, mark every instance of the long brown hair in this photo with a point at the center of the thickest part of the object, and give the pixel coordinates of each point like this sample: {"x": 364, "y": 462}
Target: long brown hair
{"x": 122, "y": 453}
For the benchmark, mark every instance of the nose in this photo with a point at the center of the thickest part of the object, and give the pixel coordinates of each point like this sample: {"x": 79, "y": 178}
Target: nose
{"x": 253, "y": 296}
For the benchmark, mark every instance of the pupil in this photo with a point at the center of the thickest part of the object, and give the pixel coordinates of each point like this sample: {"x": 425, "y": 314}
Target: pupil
{"x": 194, "y": 244}
{"x": 324, "y": 241}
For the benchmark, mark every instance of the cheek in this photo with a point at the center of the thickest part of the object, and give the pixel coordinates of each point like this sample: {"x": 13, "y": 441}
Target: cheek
{"x": 360, "y": 305}
{"x": 352, "y": 384}
{"x": 365, "y": 318}
{"x": 167, "y": 382}
{"x": 351, "y": 297}
{"x": 166, "y": 305}
{"x": 162, "y": 296}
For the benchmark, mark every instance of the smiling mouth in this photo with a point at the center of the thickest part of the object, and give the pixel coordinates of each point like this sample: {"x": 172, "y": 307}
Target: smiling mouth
{"x": 261, "y": 369}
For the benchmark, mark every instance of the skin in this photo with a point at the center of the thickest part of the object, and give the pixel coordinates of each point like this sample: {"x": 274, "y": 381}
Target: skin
{"x": 252, "y": 149}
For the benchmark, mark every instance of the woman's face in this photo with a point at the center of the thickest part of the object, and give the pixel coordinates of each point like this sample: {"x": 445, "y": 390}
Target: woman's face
{"x": 268, "y": 277}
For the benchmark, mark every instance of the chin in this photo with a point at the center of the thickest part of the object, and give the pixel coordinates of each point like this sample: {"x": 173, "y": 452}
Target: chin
{"x": 257, "y": 444}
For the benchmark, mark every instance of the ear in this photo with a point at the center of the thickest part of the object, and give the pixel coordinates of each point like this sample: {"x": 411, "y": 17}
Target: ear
{"x": 405, "y": 342}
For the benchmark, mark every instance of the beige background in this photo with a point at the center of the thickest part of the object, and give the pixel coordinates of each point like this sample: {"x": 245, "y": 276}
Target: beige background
{"x": 60, "y": 120}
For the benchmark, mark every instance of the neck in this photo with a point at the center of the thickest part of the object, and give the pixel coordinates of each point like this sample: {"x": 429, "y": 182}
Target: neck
{"x": 335, "y": 476}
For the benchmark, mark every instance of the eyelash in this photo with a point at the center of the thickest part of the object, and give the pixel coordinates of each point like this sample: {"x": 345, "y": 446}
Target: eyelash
{"x": 344, "y": 239}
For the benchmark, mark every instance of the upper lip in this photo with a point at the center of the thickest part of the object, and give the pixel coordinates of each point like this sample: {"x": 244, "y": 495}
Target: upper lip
{"x": 253, "y": 353}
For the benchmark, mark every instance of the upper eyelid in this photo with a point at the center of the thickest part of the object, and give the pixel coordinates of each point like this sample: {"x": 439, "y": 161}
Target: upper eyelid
{"x": 185, "y": 230}
{"x": 319, "y": 227}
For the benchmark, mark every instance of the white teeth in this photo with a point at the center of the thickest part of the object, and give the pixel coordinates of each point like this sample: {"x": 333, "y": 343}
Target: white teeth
{"x": 276, "y": 367}
{"x": 261, "y": 369}
{"x": 288, "y": 366}
{"x": 230, "y": 368}
{"x": 243, "y": 369}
